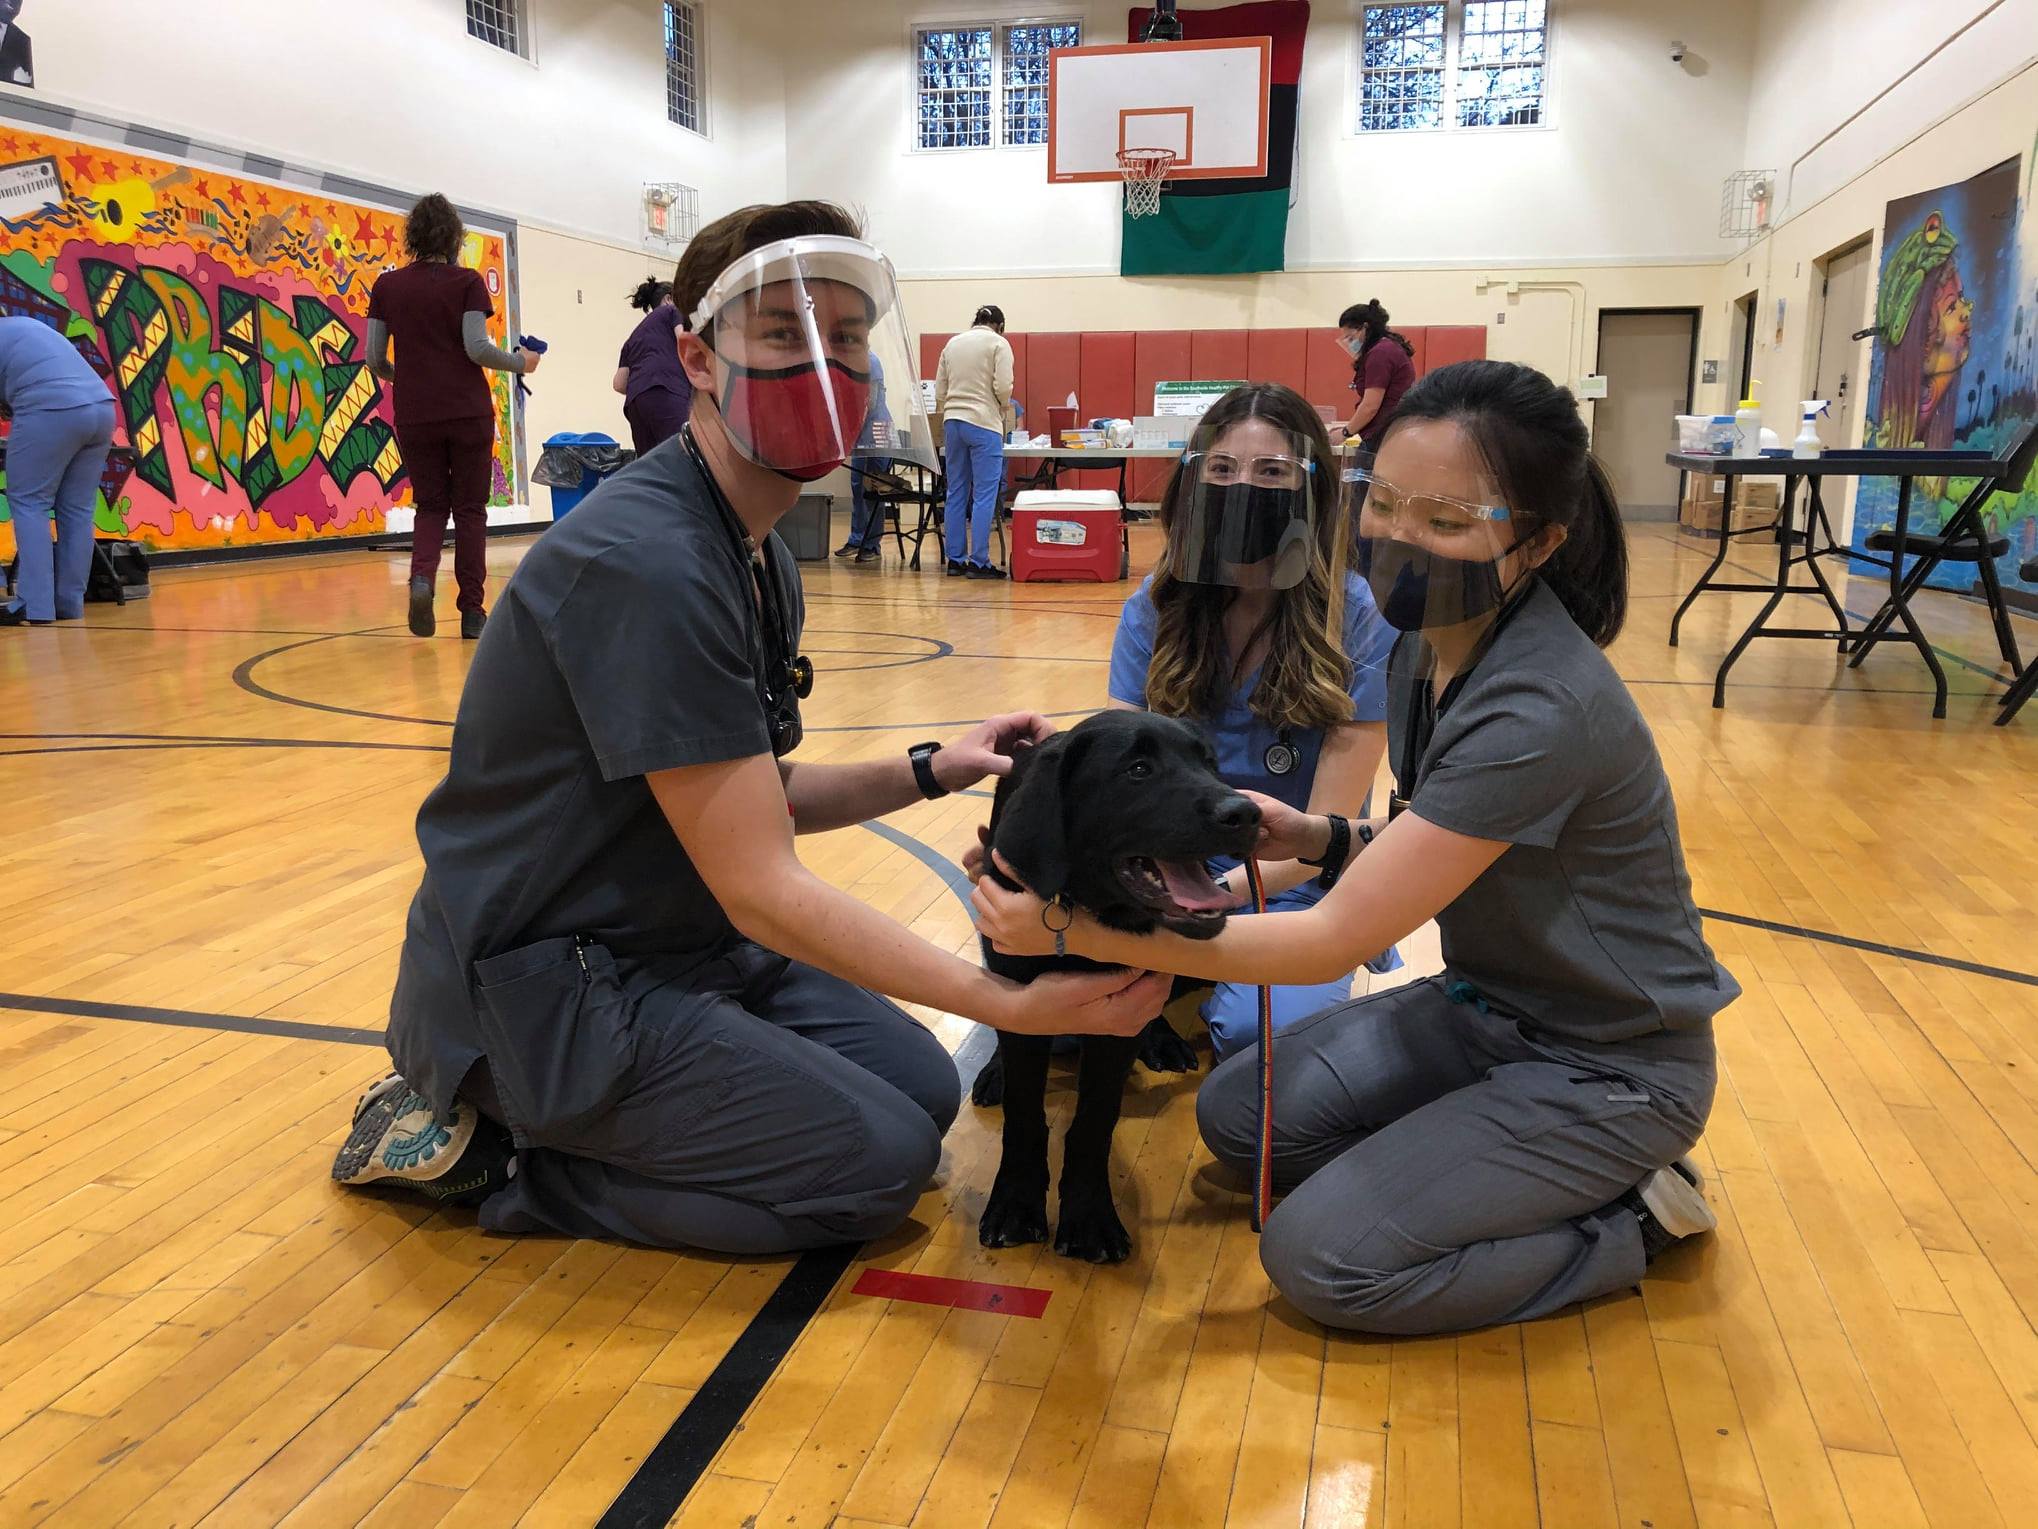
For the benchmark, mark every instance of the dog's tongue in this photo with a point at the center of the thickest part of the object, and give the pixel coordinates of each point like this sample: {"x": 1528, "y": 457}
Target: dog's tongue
{"x": 1190, "y": 884}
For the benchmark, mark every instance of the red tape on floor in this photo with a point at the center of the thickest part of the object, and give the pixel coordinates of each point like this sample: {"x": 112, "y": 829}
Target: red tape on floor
{"x": 964, "y": 1294}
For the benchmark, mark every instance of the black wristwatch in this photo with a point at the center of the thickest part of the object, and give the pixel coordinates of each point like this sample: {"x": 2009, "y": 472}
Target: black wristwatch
{"x": 922, "y": 755}
{"x": 1336, "y": 853}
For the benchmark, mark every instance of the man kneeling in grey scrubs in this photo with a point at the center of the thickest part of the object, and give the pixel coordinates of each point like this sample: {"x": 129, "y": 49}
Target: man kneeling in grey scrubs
{"x": 624, "y": 1008}
{"x": 1509, "y": 1137}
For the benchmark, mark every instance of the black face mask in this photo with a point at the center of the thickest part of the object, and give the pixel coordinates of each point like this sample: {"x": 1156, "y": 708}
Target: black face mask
{"x": 1251, "y": 520}
{"x": 1417, "y": 589}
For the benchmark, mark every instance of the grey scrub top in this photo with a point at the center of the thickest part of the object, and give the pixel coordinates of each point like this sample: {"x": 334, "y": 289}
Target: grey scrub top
{"x": 1585, "y": 926}
{"x": 627, "y": 642}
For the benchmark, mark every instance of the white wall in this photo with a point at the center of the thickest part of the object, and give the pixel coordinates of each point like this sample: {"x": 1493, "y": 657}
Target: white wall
{"x": 395, "y": 92}
{"x": 1629, "y": 171}
{"x": 1838, "y": 85}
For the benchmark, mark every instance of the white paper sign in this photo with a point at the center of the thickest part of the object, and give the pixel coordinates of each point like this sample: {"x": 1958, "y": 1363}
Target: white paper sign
{"x": 1189, "y": 398}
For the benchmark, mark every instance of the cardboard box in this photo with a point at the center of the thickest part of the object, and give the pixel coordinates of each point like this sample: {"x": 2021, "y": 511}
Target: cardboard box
{"x": 1702, "y": 516}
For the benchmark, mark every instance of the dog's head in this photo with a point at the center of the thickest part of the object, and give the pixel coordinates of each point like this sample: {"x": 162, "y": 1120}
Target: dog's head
{"x": 1119, "y": 814}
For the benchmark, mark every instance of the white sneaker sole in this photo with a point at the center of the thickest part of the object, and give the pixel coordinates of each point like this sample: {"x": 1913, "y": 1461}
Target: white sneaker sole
{"x": 1675, "y": 1199}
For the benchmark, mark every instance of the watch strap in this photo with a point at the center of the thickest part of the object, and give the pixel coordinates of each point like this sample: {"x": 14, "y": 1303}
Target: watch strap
{"x": 922, "y": 756}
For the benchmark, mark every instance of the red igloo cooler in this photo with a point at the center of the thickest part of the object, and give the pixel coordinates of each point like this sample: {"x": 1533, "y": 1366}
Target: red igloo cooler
{"x": 1069, "y": 534}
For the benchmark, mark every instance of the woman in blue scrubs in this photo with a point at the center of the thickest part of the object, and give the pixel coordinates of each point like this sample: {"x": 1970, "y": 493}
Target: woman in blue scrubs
{"x": 1253, "y": 627}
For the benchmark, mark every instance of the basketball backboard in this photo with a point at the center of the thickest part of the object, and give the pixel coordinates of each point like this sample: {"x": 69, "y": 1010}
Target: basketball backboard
{"x": 1205, "y": 101}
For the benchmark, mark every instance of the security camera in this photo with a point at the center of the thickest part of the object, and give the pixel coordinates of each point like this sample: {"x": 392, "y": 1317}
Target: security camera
{"x": 1677, "y": 53}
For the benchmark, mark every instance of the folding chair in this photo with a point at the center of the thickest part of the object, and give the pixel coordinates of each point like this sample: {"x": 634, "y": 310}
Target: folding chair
{"x": 1965, "y": 538}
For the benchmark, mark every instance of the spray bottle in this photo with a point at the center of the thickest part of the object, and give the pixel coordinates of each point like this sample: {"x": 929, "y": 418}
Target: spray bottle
{"x": 1748, "y": 425}
{"x": 1808, "y": 443}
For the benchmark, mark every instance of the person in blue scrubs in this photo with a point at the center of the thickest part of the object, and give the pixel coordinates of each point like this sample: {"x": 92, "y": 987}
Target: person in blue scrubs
{"x": 1234, "y": 632}
{"x": 63, "y": 423}
{"x": 873, "y": 451}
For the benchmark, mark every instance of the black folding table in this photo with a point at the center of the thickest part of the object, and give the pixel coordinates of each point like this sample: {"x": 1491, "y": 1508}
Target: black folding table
{"x": 1807, "y": 546}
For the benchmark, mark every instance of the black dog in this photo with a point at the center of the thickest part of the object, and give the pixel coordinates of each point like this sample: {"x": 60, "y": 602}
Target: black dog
{"x": 1118, "y": 816}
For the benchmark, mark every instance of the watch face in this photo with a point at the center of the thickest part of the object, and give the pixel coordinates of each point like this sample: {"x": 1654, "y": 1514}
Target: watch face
{"x": 1280, "y": 758}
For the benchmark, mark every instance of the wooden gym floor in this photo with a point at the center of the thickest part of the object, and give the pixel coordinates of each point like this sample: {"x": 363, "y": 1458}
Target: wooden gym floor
{"x": 209, "y": 799}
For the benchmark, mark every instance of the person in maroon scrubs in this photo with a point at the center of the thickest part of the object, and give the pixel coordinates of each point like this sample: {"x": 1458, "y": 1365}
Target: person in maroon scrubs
{"x": 437, "y": 310}
{"x": 1383, "y": 368}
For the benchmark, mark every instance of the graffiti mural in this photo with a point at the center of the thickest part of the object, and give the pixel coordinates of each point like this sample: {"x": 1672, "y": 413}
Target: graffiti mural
{"x": 229, "y": 317}
{"x": 1955, "y": 355}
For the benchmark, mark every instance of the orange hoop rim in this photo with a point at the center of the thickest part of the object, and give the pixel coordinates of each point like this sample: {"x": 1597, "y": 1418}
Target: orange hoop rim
{"x": 1146, "y": 164}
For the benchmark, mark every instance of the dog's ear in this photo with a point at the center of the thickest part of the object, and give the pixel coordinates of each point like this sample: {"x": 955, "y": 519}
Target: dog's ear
{"x": 1029, "y": 821}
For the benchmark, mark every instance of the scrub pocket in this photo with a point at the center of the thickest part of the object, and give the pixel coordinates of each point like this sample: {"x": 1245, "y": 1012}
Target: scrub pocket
{"x": 561, "y": 1034}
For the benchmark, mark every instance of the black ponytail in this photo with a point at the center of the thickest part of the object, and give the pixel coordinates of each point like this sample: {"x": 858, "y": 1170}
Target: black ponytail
{"x": 990, "y": 314}
{"x": 650, "y": 293}
{"x": 1536, "y": 448}
{"x": 1372, "y": 318}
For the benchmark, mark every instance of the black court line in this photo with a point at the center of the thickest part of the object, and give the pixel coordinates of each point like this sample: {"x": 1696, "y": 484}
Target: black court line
{"x": 289, "y": 1029}
{"x": 1877, "y": 947}
{"x": 678, "y": 1460}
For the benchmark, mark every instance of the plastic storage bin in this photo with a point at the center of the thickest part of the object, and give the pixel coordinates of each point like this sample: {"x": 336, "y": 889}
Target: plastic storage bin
{"x": 1071, "y": 534}
{"x": 804, "y": 527}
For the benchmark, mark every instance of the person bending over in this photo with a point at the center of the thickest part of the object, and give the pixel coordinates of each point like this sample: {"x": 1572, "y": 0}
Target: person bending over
{"x": 656, "y": 394}
{"x": 624, "y": 1008}
{"x": 1507, "y": 1138}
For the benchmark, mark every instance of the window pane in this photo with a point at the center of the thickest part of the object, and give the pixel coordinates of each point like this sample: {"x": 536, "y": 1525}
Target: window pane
{"x": 1402, "y": 77}
{"x": 1026, "y": 50}
{"x": 1500, "y": 63}
{"x": 497, "y": 23}
{"x": 683, "y": 64}
{"x": 954, "y": 70}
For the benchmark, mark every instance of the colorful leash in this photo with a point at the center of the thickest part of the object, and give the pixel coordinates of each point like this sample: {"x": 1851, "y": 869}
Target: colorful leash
{"x": 1263, "y": 1168}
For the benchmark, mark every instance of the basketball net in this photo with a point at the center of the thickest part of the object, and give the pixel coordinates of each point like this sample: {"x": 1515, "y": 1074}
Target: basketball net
{"x": 1145, "y": 171}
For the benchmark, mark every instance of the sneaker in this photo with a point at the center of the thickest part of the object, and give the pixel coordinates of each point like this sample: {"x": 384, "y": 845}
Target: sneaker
{"x": 984, "y": 571}
{"x": 1670, "y": 1207}
{"x": 845, "y": 553}
{"x": 422, "y": 622}
{"x": 398, "y": 1142}
{"x": 471, "y": 623}
{"x": 14, "y": 613}
{"x": 867, "y": 555}
{"x": 957, "y": 570}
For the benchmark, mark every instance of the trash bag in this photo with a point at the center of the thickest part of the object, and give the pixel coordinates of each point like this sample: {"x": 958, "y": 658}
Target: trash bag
{"x": 569, "y": 459}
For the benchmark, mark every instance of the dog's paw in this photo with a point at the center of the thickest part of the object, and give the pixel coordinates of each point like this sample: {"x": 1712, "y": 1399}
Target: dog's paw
{"x": 988, "y": 1092}
{"x": 1162, "y": 1049}
{"x": 1090, "y": 1230}
{"x": 1013, "y": 1217}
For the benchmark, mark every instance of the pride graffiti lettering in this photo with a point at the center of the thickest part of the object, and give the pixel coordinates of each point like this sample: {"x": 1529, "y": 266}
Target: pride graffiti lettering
{"x": 171, "y": 348}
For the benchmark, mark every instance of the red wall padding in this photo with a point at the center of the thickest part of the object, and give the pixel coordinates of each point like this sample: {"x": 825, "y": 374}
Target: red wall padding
{"x": 1329, "y": 374}
{"x": 1455, "y": 342}
{"x": 1106, "y": 390}
{"x": 1278, "y": 355}
{"x": 1219, "y": 353}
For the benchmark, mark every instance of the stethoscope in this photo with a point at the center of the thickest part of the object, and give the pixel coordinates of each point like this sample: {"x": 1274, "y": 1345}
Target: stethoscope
{"x": 1282, "y": 756}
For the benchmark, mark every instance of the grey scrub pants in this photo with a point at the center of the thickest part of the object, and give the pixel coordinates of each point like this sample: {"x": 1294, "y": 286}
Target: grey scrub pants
{"x": 767, "y": 1107}
{"x": 1450, "y": 1168}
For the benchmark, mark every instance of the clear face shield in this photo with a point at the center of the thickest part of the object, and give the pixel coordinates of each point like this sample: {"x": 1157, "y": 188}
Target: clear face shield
{"x": 814, "y": 366}
{"x": 1245, "y": 510}
{"x": 1430, "y": 560}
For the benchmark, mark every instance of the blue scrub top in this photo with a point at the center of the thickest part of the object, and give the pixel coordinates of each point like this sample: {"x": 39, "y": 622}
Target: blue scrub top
{"x": 41, "y": 369}
{"x": 1241, "y": 739}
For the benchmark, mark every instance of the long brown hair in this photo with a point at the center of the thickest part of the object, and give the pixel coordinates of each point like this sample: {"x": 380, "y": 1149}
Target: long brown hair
{"x": 1306, "y": 679}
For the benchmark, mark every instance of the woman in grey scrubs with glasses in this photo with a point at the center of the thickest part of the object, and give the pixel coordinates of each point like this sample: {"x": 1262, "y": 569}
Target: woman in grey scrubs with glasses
{"x": 1509, "y": 1137}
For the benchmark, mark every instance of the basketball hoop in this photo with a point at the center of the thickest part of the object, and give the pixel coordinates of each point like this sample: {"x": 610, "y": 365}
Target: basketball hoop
{"x": 1145, "y": 171}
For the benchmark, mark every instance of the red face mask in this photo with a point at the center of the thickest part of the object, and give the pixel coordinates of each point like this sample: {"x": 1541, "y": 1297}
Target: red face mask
{"x": 799, "y": 421}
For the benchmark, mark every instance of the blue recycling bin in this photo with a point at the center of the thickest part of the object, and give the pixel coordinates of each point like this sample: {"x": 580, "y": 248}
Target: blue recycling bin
{"x": 574, "y": 463}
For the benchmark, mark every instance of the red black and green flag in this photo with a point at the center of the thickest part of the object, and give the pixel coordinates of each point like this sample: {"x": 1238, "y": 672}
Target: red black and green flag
{"x": 1228, "y": 227}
